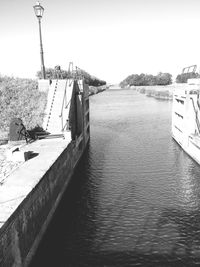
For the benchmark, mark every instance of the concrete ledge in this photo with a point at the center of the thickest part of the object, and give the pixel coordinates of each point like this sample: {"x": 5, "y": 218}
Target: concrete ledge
{"x": 43, "y": 85}
{"x": 16, "y": 155}
{"x": 29, "y": 196}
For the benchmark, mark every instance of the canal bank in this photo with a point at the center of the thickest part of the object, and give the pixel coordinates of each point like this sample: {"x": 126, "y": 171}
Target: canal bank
{"x": 162, "y": 92}
{"x": 30, "y": 193}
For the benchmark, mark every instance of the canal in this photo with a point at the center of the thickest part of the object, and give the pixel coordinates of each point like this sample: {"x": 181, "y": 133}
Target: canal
{"x": 135, "y": 197}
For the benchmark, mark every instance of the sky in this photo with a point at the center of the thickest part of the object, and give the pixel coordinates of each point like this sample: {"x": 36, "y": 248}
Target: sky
{"x": 110, "y": 39}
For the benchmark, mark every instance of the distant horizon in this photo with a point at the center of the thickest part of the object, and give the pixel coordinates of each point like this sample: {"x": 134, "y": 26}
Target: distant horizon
{"x": 107, "y": 82}
{"x": 115, "y": 83}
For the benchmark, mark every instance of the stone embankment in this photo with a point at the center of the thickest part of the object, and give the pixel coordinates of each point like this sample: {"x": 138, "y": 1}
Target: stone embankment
{"x": 159, "y": 91}
{"x": 97, "y": 89}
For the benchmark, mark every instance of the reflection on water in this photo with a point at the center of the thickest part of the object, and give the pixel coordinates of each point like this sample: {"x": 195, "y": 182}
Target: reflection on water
{"x": 134, "y": 200}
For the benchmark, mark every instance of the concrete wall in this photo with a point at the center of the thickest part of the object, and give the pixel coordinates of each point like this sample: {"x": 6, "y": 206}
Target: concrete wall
{"x": 21, "y": 233}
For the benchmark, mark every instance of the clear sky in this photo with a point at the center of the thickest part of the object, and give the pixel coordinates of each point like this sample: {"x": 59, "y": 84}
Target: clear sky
{"x": 110, "y": 39}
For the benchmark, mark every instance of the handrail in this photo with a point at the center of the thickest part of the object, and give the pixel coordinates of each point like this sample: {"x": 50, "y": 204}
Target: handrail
{"x": 76, "y": 74}
{"x": 196, "y": 115}
{"x": 63, "y": 99}
{"x": 64, "y": 106}
{"x": 188, "y": 69}
{"x": 67, "y": 121}
{"x": 53, "y": 96}
{"x": 63, "y": 127}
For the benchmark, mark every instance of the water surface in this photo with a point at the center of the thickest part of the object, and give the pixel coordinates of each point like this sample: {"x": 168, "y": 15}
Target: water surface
{"x": 135, "y": 197}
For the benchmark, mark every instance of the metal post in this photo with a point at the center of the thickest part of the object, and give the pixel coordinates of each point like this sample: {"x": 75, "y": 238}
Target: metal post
{"x": 41, "y": 51}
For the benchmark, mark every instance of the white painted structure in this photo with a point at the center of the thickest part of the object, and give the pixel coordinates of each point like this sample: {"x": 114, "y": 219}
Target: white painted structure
{"x": 186, "y": 118}
{"x": 58, "y": 105}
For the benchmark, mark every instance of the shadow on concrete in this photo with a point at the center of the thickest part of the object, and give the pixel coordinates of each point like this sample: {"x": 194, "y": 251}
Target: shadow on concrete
{"x": 32, "y": 154}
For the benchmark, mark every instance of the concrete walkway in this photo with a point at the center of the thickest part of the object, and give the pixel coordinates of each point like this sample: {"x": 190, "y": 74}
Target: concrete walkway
{"x": 22, "y": 177}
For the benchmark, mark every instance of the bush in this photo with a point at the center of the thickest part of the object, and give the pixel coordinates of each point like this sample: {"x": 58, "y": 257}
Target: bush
{"x": 21, "y": 98}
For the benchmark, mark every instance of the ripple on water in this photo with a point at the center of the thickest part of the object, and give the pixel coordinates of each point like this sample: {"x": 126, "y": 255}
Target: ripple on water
{"x": 138, "y": 201}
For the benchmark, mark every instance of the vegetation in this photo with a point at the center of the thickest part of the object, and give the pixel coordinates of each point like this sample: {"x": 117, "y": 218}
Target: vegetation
{"x": 147, "y": 80}
{"x": 20, "y": 98}
{"x": 63, "y": 74}
{"x": 93, "y": 90}
{"x": 182, "y": 78}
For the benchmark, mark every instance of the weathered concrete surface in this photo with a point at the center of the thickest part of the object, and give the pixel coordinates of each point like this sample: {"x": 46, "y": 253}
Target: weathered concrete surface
{"x": 29, "y": 196}
{"x": 19, "y": 183}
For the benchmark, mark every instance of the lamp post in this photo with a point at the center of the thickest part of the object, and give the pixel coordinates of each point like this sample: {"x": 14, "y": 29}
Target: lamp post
{"x": 39, "y": 10}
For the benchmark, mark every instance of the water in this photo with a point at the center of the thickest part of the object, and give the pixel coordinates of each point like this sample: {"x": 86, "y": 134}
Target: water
{"x": 134, "y": 199}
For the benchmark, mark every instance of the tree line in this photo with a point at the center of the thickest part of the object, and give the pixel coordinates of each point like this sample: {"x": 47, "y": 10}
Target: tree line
{"x": 160, "y": 79}
{"x": 147, "y": 79}
{"x": 53, "y": 73}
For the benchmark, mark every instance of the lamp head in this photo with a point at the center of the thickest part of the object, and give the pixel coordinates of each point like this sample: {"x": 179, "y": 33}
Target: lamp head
{"x": 39, "y": 10}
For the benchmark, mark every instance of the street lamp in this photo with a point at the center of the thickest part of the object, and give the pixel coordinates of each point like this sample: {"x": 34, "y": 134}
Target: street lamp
{"x": 39, "y": 10}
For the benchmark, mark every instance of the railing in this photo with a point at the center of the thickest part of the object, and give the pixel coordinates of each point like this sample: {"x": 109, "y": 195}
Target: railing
{"x": 65, "y": 104}
{"x": 63, "y": 126}
{"x": 196, "y": 115}
{"x": 51, "y": 106}
{"x": 74, "y": 74}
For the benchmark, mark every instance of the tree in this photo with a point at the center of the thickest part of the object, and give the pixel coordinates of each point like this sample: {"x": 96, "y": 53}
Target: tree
{"x": 163, "y": 78}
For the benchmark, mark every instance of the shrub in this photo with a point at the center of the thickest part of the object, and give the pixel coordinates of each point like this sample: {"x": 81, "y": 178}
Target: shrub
{"x": 21, "y": 98}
